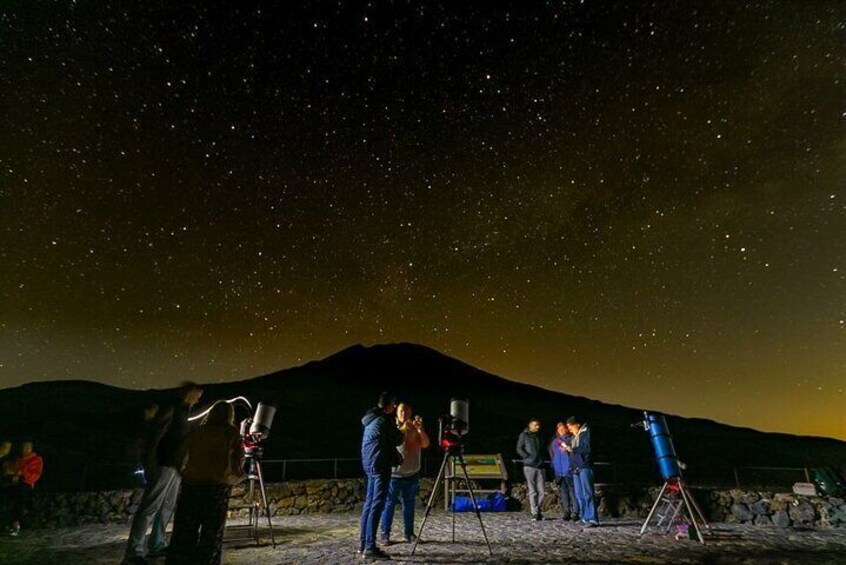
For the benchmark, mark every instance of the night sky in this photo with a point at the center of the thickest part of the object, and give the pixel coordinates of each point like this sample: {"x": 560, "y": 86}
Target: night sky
{"x": 638, "y": 202}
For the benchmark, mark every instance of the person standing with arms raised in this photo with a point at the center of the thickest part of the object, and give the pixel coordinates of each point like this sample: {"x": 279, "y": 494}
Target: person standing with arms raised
{"x": 405, "y": 478}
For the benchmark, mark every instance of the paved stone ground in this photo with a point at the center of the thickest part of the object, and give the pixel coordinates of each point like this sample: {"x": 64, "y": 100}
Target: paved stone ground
{"x": 333, "y": 538}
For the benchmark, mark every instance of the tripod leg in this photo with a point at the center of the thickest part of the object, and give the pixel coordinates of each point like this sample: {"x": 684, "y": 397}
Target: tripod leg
{"x": 431, "y": 501}
{"x": 475, "y": 505}
{"x": 686, "y": 497}
{"x": 702, "y": 519}
{"x": 266, "y": 506}
{"x": 654, "y": 507}
{"x": 251, "y": 498}
{"x": 452, "y": 494}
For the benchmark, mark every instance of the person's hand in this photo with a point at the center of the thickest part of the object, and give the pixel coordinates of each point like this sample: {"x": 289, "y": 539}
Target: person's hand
{"x": 418, "y": 423}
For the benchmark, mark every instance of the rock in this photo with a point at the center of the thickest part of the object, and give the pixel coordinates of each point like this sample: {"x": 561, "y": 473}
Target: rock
{"x": 802, "y": 512}
{"x": 741, "y": 512}
{"x": 762, "y": 520}
{"x": 779, "y": 504}
{"x": 746, "y": 498}
{"x": 760, "y": 508}
{"x": 781, "y": 518}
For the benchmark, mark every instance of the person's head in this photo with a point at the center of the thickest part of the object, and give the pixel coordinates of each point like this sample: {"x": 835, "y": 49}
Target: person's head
{"x": 534, "y": 425}
{"x": 404, "y": 412}
{"x": 561, "y": 429}
{"x": 5, "y": 447}
{"x": 150, "y": 411}
{"x": 387, "y": 402}
{"x": 26, "y": 447}
{"x": 190, "y": 393}
{"x": 221, "y": 413}
{"x": 574, "y": 424}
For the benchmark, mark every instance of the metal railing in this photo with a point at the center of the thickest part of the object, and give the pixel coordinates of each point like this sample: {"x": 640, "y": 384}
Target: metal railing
{"x": 790, "y": 474}
{"x": 113, "y": 476}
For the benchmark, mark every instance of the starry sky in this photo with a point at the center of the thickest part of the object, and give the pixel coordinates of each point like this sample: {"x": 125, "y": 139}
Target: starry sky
{"x": 638, "y": 202}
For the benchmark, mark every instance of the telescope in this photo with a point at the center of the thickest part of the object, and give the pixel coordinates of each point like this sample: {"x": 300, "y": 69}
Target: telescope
{"x": 674, "y": 499}
{"x": 261, "y": 422}
{"x": 455, "y": 425}
{"x": 662, "y": 443}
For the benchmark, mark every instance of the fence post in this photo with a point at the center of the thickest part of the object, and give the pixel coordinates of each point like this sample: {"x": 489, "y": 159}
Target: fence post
{"x": 807, "y": 475}
{"x": 335, "y": 464}
{"x": 736, "y": 477}
{"x": 284, "y": 470}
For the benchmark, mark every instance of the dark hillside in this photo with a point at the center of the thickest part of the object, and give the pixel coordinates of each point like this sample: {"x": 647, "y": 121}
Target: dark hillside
{"x": 320, "y": 404}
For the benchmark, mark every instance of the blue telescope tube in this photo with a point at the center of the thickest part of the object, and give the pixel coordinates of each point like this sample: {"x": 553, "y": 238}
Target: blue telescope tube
{"x": 662, "y": 443}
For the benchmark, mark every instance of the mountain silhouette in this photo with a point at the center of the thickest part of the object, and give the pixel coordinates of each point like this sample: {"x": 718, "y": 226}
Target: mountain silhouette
{"x": 319, "y": 406}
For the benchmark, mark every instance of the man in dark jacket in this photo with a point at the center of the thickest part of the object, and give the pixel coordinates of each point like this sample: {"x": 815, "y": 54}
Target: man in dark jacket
{"x": 378, "y": 454}
{"x": 560, "y": 458}
{"x": 581, "y": 460}
{"x": 529, "y": 450}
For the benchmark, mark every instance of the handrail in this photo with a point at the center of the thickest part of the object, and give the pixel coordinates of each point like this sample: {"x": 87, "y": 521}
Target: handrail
{"x": 89, "y": 469}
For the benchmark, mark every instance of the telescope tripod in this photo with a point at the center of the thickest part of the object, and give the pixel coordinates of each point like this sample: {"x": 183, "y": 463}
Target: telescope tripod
{"x": 450, "y": 455}
{"x": 673, "y": 498}
{"x": 254, "y": 475}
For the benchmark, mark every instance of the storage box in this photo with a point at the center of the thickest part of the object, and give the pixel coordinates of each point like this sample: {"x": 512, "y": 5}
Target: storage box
{"x": 805, "y": 489}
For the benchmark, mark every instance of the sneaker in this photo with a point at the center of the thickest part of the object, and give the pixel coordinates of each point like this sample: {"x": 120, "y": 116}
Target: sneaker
{"x": 386, "y": 542}
{"x": 411, "y": 539}
{"x": 537, "y": 517}
{"x": 15, "y": 532}
{"x": 375, "y": 553}
{"x": 592, "y": 524}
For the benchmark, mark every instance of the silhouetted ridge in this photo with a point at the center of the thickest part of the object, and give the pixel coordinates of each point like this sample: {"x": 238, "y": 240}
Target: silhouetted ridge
{"x": 319, "y": 407}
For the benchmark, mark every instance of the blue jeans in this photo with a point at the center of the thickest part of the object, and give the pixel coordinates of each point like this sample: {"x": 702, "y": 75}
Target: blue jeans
{"x": 374, "y": 502}
{"x": 583, "y": 485}
{"x": 405, "y": 488}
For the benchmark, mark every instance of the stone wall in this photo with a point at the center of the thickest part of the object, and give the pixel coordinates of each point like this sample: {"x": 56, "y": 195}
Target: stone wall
{"x": 317, "y": 496}
{"x": 728, "y": 506}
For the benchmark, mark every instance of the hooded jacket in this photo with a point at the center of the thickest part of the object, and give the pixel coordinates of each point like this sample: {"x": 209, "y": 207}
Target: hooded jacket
{"x": 582, "y": 456}
{"x": 379, "y": 442}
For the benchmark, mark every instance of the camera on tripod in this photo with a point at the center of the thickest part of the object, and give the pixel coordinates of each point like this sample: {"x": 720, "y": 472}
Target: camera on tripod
{"x": 455, "y": 425}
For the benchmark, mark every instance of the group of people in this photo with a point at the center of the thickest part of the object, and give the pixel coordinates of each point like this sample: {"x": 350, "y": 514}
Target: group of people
{"x": 392, "y": 442}
{"x": 188, "y": 471}
{"x": 571, "y": 456}
{"x": 18, "y": 476}
{"x": 391, "y": 454}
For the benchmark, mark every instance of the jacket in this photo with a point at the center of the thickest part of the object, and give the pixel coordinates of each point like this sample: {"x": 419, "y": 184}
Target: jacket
{"x": 213, "y": 454}
{"x": 560, "y": 458}
{"x": 582, "y": 457}
{"x": 176, "y": 427}
{"x": 29, "y": 467}
{"x": 379, "y": 442}
{"x": 529, "y": 449}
